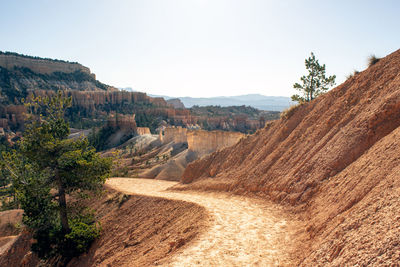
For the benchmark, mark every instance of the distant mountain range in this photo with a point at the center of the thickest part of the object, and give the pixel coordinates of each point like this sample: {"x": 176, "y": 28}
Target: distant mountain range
{"x": 262, "y": 102}
{"x": 273, "y": 103}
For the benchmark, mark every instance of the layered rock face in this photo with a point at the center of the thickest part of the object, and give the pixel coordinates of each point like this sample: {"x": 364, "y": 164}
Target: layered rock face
{"x": 175, "y": 135}
{"x": 183, "y": 146}
{"x": 200, "y": 141}
{"x": 95, "y": 103}
{"x": 20, "y": 74}
{"x": 205, "y": 142}
{"x": 143, "y": 130}
{"x": 41, "y": 65}
{"x": 96, "y": 99}
{"x": 24, "y": 76}
{"x": 126, "y": 122}
{"x": 235, "y": 118}
{"x": 335, "y": 160}
{"x": 238, "y": 123}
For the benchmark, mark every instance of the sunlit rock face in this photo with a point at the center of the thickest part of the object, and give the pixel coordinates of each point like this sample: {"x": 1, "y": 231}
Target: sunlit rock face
{"x": 204, "y": 142}
{"x": 143, "y": 130}
{"x": 201, "y": 141}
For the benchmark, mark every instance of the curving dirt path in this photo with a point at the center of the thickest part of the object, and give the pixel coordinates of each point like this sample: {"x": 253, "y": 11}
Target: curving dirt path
{"x": 243, "y": 231}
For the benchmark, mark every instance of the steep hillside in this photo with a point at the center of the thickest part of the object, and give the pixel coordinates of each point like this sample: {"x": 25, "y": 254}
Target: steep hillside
{"x": 136, "y": 231}
{"x": 335, "y": 161}
{"x": 140, "y": 230}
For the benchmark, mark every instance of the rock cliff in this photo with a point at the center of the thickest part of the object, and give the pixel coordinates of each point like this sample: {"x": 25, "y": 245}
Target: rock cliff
{"x": 205, "y": 142}
{"x": 335, "y": 161}
{"x": 20, "y": 74}
{"x": 175, "y": 135}
{"x": 95, "y": 106}
{"x": 182, "y": 146}
{"x": 143, "y": 130}
{"x": 126, "y": 122}
{"x": 232, "y": 118}
{"x": 200, "y": 141}
{"x": 40, "y": 65}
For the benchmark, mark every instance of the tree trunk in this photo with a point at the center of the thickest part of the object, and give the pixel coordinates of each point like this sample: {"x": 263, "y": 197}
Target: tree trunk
{"x": 62, "y": 203}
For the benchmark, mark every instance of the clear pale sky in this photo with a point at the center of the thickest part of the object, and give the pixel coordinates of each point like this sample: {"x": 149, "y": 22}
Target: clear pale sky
{"x": 203, "y": 47}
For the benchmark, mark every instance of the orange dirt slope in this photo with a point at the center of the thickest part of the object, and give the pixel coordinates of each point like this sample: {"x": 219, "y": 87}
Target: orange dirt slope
{"x": 141, "y": 230}
{"x": 335, "y": 161}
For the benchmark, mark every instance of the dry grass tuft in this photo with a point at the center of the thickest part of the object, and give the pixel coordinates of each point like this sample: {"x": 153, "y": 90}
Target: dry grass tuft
{"x": 372, "y": 60}
{"x": 287, "y": 113}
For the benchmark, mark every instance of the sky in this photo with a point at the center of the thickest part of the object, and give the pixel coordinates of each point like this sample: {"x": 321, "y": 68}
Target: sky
{"x": 203, "y": 48}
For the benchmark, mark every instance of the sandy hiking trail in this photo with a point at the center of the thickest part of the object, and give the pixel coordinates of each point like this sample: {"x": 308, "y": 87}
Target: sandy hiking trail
{"x": 243, "y": 231}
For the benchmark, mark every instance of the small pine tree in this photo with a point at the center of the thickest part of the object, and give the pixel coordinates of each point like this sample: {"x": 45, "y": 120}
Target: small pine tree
{"x": 46, "y": 167}
{"x": 315, "y": 83}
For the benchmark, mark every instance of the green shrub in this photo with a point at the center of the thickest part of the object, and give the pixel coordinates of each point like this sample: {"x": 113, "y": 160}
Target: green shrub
{"x": 84, "y": 230}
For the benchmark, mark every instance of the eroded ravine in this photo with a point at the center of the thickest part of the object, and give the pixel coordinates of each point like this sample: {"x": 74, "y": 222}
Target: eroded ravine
{"x": 243, "y": 231}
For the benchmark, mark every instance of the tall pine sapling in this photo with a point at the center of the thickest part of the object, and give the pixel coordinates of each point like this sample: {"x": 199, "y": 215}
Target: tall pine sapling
{"x": 315, "y": 83}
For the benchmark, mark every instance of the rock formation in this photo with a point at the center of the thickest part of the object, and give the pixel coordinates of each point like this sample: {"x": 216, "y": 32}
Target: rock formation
{"x": 99, "y": 103}
{"x": 40, "y": 65}
{"x": 200, "y": 141}
{"x": 143, "y": 130}
{"x": 23, "y": 76}
{"x": 126, "y": 122}
{"x": 234, "y": 118}
{"x": 184, "y": 146}
{"x": 335, "y": 161}
{"x": 205, "y": 142}
{"x": 175, "y": 135}
{"x": 176, "y": 103}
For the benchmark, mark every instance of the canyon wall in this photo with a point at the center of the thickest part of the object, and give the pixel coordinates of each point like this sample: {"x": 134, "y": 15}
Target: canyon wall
{"x": 186, "y": 145}
{"x": 22, "y": 77}
{"x": 175, "y": 135}
{"x": 92, "y": 99}
{"x": 41, "y": 65}
{"x": 143, "y": 130}
{"x": 204, "y": 142}
{"x": 95, "y": 103}
{"x": 200, "y": 141}
{"x": 126, "y": 122}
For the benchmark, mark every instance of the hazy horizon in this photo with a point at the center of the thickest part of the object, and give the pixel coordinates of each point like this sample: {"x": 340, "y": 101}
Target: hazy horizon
{"x": 203, "y": 48}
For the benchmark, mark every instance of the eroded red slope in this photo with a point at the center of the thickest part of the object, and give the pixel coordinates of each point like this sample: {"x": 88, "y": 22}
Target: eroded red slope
{"x": 335, "y": 160}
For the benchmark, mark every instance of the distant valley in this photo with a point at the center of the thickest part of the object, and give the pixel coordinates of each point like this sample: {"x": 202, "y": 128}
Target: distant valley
{"x": 271, "y": 103}
{"x": 262, "y": 102}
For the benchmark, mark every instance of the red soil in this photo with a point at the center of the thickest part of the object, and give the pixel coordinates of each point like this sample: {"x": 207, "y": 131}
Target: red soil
{"x": 141, "y": 230}
{"x": 136, "y": 231}
{"x": 335, "y": 160}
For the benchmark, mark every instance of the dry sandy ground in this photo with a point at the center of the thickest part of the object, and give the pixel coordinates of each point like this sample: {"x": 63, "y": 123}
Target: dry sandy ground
{"x": 243, "y": 232}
